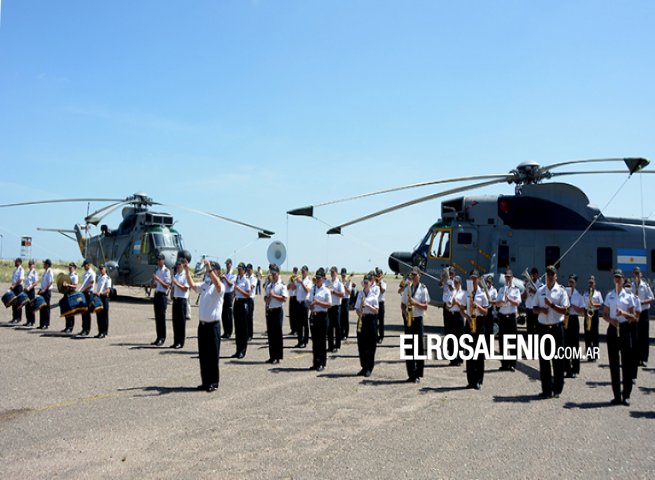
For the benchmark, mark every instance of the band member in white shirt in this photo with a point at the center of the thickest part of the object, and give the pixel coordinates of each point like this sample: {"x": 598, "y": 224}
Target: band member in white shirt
{"x": 242, "y": 296}
{"x": 507, "y": 303}
{"x": 87, "y": 288}
{"x": 303, "y": 287}
{"x": 46, "y": 291}
{"x": 619, "y": 310}
{"x": 293, "y": 304}
{"x": 71, "y": 287}
{"x": 642, "y": 290}
{"x": 529, "y": 296}
{"x": 591, "y": 326}
{"x": 252, "y": 278}
{"x": 210, "y": 309}
{"x": 336, "y": 289}
{"x": 344, "y": 315}
{"x": 31, "y": 281}
{"x": 103, "y": 289}
{"x": 228, "y": 278}
{"x": 477, "y": 308}
{"x": 276, "y": 295}
{"x": 17, "y": 280}
{"x": 161, "y": 280}
{"x": 490, "y": 317}
{"x": 572, "y": 326}
{"x": 414, "y": 303}
{"x": 180, "y": 301}
{"x": 457, "y": 308}
{"x": 319, "y": 301}
{"x": 551, "y": 304}
{"x": 382, "y": 285}
{"x": 366, "y": 307}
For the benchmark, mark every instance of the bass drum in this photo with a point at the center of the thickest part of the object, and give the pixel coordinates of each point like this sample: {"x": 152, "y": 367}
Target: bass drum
{"x": 21, "y": 300}
{"x": 72, "y": 305}
{"x": 9, "y": 298}
{"x": 38, "y": 303}
{"x": 96, "y": 305}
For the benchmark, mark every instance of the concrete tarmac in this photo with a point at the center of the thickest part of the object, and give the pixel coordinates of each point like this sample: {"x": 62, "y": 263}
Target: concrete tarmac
{"x": 119, "y": 408}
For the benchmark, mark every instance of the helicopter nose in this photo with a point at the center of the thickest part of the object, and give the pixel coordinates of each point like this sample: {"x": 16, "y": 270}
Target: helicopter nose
{"x": 400, "y": 261}
{"x": 170, "y": 258}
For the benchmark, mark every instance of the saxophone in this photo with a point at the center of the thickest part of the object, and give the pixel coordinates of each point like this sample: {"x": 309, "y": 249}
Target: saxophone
{"x": 568, "y": 309}
{"x": 360, "y": 312}
{"x": 410, "y": 308}
{"x": 590, "y": 311}
{"x": 473, "y": 314}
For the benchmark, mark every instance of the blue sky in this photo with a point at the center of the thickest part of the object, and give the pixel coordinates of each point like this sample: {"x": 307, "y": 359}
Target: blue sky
{"x": 251, "y": 108}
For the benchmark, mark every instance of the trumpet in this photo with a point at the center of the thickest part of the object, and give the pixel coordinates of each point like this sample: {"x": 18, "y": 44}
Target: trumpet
{"x": 293, "y": 278}
{"x": 528, "y": 280}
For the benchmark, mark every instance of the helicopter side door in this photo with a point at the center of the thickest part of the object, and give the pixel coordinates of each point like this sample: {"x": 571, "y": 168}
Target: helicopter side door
{"x": 466, "y": 253}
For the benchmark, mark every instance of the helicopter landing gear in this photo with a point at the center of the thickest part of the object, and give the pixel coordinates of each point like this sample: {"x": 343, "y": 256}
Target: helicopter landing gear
{"x": 148, "y": 290}
{"x": 113, "y": 294}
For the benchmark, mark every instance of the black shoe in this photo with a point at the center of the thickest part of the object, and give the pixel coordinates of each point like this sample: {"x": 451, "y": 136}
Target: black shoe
{"x": 303, "y": 345}
{"x": 298, "y": 345}
{"x": 417, "y": 380}
{"x": 275, "y": 362}
{"x": 334, "y": 350}
{"x": 153, "y": 343}
{"x": 241, "y": 355}
{"x": 320, "y": 368}
{"x": 616, "y": 401}
{"x": 634, "y": 381}
{"x": 511, "y": 369}
{"x": 177, "y": 346}
{"x": 201, "y": 387}
{"x": 642, "y": 363}
{"x": 367, "y": 373}
{"x": 158, "y": 343}
{"x": 313, "y": 367}
{"x": 85, "y": 332}
{"x": 380, "y": 340}
{"x": 100, "y": 335}
{"x": 212, "y": 388}
{"x": 225, "y": 336}
{"x": 270, "y": 360}
{"x": 236, "y": 355}
{"x": 477, "y": 386}
{"x": 556, "y": 395}
{"x": 250, "y": 339}
{"x": 545, "y": 395}
{"x": 361, "y": 373}
{"x": 65, "y": 330}
{"x": 45, "y": 327}
{"x": 626, "y": 401}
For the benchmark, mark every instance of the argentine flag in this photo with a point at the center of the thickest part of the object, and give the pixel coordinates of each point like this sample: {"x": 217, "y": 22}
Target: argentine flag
{"x": 629, "y": 258}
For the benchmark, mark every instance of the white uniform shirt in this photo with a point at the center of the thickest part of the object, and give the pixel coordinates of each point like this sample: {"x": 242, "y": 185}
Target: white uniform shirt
{"x": 376, "y": 290}
{"x": 460, "y": 297}
{"x": 335, "y": 286}
{"x": 372, "y": 300}
{"x": 253, "y": 283}
{"x": 575, "y": 300}
{"x": 47, "y": 279}
{"x": 301, "y": 294}
{"x": 231, "y": 276}
{"x": 623, "y": 301}
{"x": 278, "y": 288}
{"x": 635, "y": 300}
{"x": 513, "y": 293}
{"x": 597, "y": 298}
{"x": 479, "y": 298}
{"x": 292, "y": 291}
{"x": 210, "y": 306}
{"x": 383, "y": 289}
{"x": 446, "y": 296}
{"x": 89, "y": 278}
{"x": 493, "y": 294}
{"x": 18, "y": 276}
{"x": 530, "y": 299}
{"x": 32, "y": 278}
{"x": 244, "y": 284}
{"x": 181, "y": 279}
{"x": 72, "y": 276}
{"x": 558, "y": 296}
{"x": 103, "y": 283}
{"x": 164, "y": 274}
{"x": 322, "y": 294}
{"x": 346, "y": 283}
{"x": 421, "y": 295}
{"x": 644, "y": 293}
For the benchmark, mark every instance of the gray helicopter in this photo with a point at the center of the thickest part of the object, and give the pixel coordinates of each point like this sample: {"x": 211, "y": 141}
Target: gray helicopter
{"x": 130, "y": 251}
{"x": 541, "y": 224}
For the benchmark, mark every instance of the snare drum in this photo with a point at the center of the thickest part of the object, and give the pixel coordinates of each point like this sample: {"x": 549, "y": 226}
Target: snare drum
{"x": 38, "y": 303}
{"x": 72, "y": 304}
{"x": 9, "y": 298}
{"x": 21, "y": 300}
{"x": 96, "y": 305}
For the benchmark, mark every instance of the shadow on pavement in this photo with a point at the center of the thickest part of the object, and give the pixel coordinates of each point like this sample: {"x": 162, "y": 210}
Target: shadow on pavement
{"x": 586, "y": 405}
{"x": 517, "y": 398}
{"x": 157, "y": 390}
{"x": 442, "y": 389}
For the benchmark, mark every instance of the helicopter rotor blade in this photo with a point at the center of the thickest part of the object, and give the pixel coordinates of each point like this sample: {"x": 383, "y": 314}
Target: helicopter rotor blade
{"x": 594, "y": 172}
{"x": 444, "y": 193}
{"x": 63, "y": 200}
{"x": 634, "y": 164}
{"x": 98, "y": 215}
{"x": 262, "y": 232}
{"x": 308, "y": 211}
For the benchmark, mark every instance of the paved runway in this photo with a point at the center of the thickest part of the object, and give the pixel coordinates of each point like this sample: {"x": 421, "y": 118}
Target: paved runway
{"x": 90, "y": 408}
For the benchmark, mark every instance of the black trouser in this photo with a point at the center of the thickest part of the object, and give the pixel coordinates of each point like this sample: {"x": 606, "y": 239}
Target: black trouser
{"x": 334, "y": 327}
{"x": 179, "y": 320}
{"x": 209, "y": 348}
{"x": 552, "y": 382}
{"x": 415, "y": 367}
{"x": 102, "y": 317}
{"x": 274, "y": 321}
{"x": 16, "y": 311}
{"x": 318, "y": 326}
{"x": 227, "y": 315}
{"x": 344, "y": 318}
{"x": 86, "y": 316}
{"x": 303, "y": 323}
{"x": 258, "y": 287}
{"x": 591, "y": 335}
{"x": 621, "y": 358}
{"x": 457, "y": 326}
{"x": 29, "y": 312}
{"x": 251, "y": 317}
{"x": 367, "y": 342}
{"x": 572, "y": 339}
{"x": 160, "y": 302}
{"x": 70, "y": 319}
{"x": 475, "y": 366}
{"x": 489, "y": 323}
{"x": 506, "y": 326}
{"x": 531, "y": 321}
{"x": 293, "y": 315}
{"x": 44, "y": 317}
{"x": 381, "y": 321}
{"x": 643, "y": 337}
{"x": 241, "y": 325}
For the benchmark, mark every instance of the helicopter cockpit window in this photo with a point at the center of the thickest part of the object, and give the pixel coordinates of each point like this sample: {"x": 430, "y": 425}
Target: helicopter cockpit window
{"x": 440, "y": 247}
{"x": 160, "y": 240}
